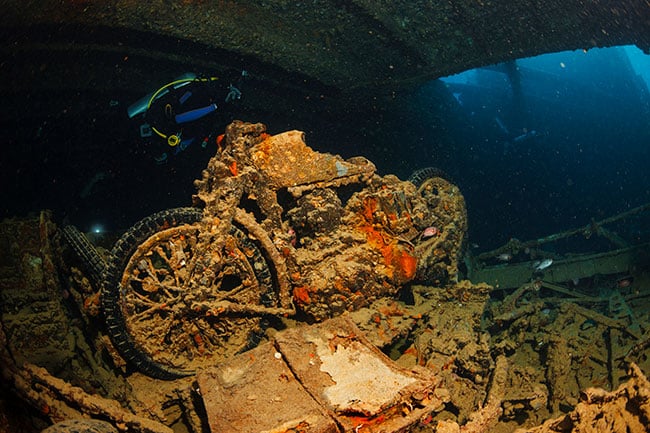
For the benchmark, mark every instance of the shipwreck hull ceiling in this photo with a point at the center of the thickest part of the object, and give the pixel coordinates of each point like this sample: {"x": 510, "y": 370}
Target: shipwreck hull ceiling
{"x": 343, "y": 45}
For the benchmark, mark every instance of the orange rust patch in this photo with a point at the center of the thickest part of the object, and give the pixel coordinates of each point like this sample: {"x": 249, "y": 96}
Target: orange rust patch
{"x": 92, "y": 304}
{"x": 362, "y": 423}
{"x": 369, "y": 209}
{"x": 407, "y": 265}
{"x": 397, "y": 260}
{"x": 412, "y": 350}
{"x": 45, "y": 409}
{"x": 198, "y": 340}
{"x": 392, "y": 309}
{"x": 373, "y": 236}
{"x": 233, "y": 168}
{"x": 340, "y": 286}
{"x": 301, "y": 294}
{"x": 220, "y": 140}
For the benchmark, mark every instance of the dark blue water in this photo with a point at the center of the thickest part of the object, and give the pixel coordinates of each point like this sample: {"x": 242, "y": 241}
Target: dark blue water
{"x": 538, "y": 146}
{"x": 588, "y": 158}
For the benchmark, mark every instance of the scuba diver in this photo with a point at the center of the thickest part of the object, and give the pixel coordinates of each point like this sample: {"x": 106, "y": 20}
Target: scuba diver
{"x": 184, "y": 111}
{"x": 510, "y": 139}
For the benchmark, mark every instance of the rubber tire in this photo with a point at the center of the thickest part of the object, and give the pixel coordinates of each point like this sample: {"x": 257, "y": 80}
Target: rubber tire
{"x": 110, "y": 294}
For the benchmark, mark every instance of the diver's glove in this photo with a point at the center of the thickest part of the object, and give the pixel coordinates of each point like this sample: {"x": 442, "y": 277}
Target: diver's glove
{"x": 233, "y": 93}
{"x": 161, "y": 159}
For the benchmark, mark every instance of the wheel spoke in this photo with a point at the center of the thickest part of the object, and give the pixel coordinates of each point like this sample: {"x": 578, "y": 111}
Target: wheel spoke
{"x": 167, "y": 275}
{"x": 156, "y": 308}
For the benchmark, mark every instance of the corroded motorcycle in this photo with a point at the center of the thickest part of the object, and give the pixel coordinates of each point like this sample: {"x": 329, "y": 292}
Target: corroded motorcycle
{"x": 277, "y": 230}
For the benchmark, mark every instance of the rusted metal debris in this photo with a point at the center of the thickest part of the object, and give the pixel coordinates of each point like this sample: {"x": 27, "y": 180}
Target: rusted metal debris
{"x": 321, "y": 378}
{"x": 481, "y": 362}
{"x": 274, "y": 232}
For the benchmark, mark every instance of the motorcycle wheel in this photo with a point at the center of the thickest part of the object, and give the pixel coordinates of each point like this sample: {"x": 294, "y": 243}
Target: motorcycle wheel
{"x": 163, "y": 300}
